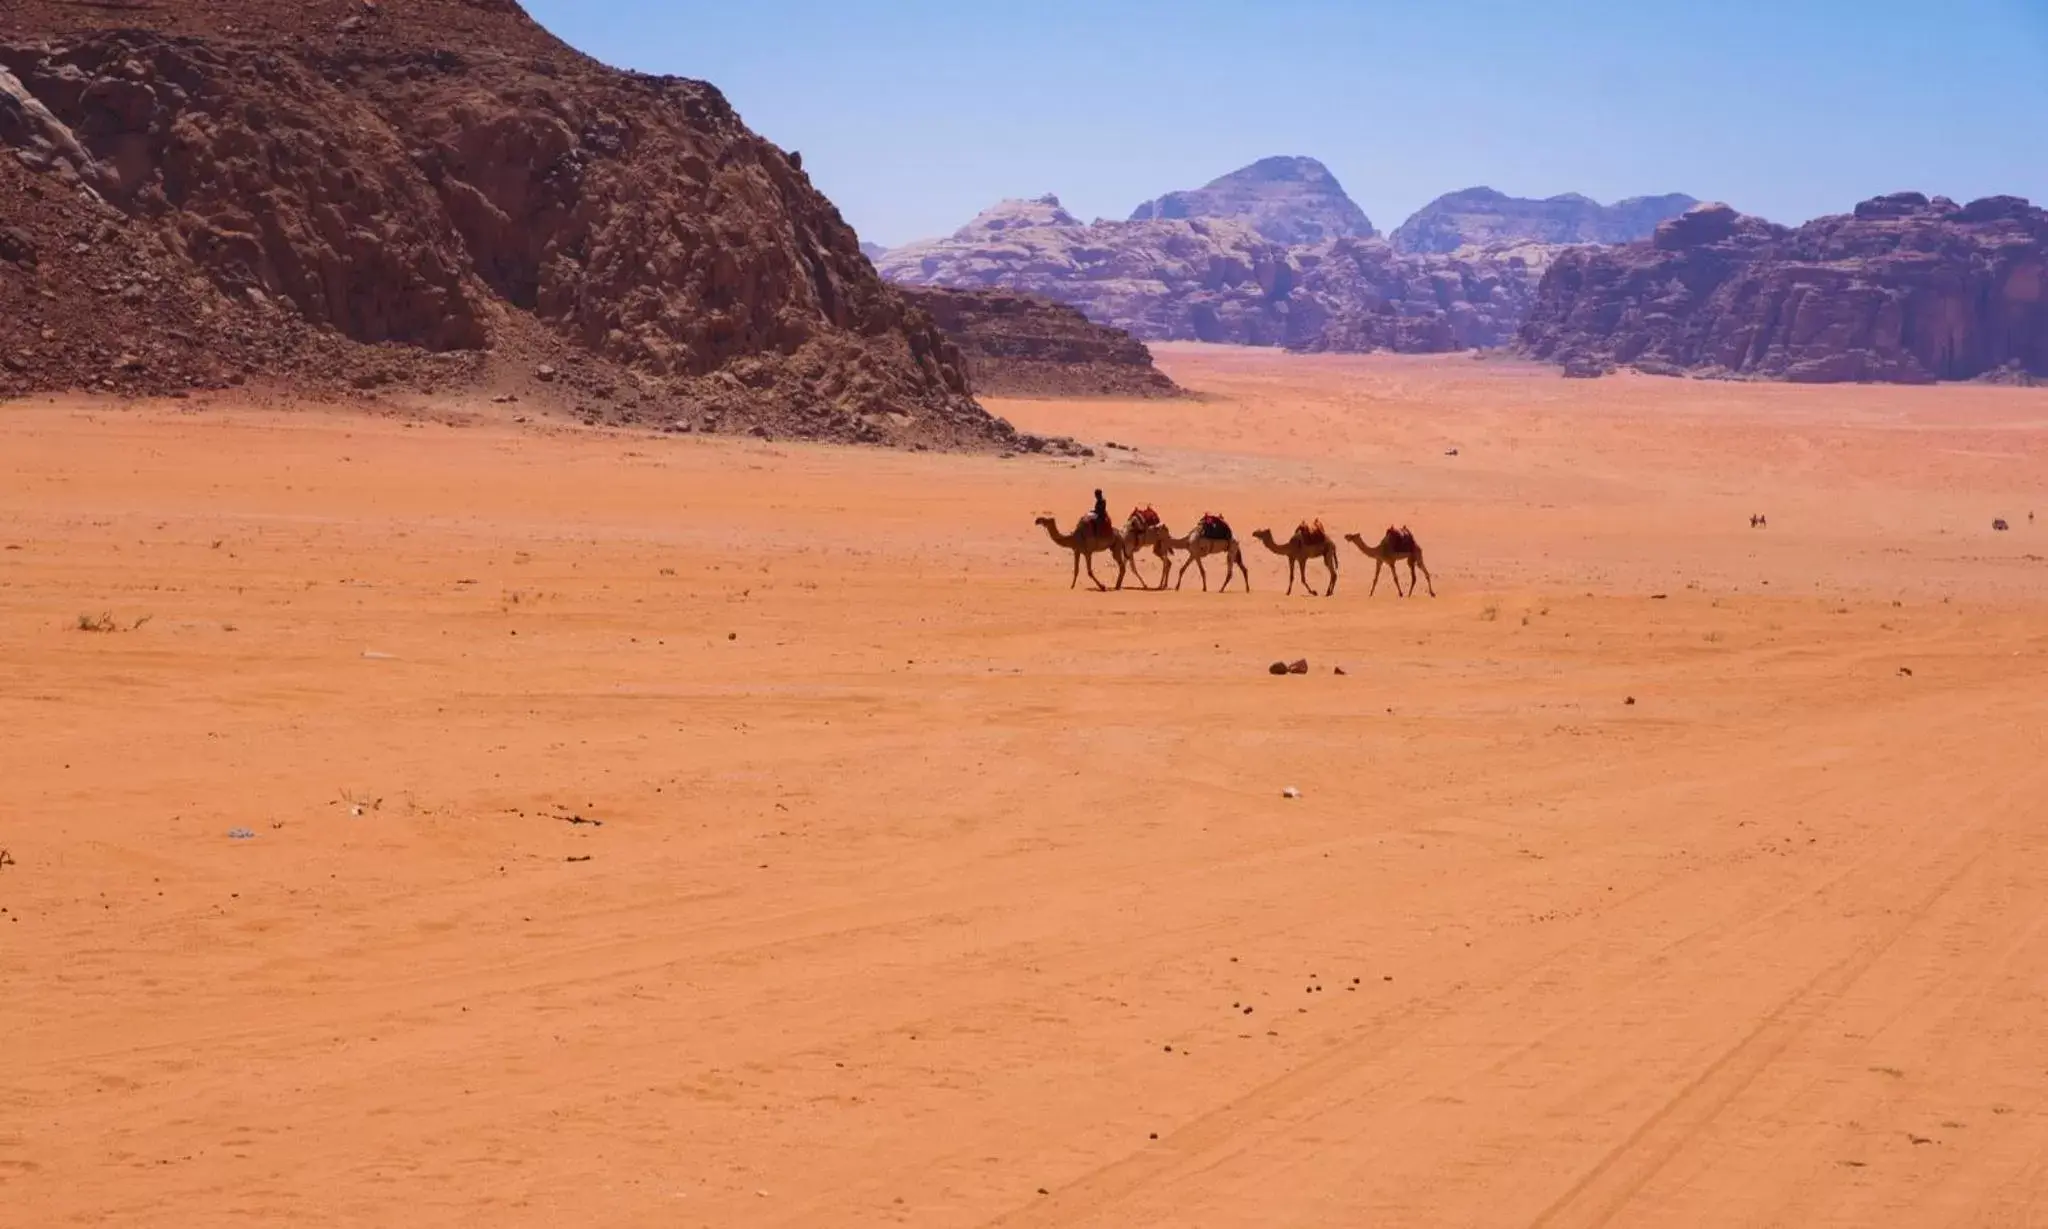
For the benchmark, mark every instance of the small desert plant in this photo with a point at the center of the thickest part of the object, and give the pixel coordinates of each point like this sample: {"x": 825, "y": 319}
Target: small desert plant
{"x": 102, "y": 622}
{"x": 1489, "y": 614}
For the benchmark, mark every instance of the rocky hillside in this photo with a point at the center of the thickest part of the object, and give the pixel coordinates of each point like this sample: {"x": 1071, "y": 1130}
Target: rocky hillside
{"x": 1482, "y": 217}
{"x": 1358, "y": 296}
{"x": 341, "y": 193}
{"x": 1903, "y": 289}
{"x": 1021, "y": 345}
{"x": 1295, "y": 202}
{"x": 1219, "y": 280}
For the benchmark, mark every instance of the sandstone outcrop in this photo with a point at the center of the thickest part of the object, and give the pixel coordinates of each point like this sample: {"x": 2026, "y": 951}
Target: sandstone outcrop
{"x": 1482, "y": 217}
{"x": 1218, "y": 280}
{"x": 351, "y": 194}
{"x": 1905, "y": 288}
{"x": 1363, "y": 295}
{"x": 1295, "y": 202}
{"x": 1020, "y": 345}
{"x": 1199, "y": 280}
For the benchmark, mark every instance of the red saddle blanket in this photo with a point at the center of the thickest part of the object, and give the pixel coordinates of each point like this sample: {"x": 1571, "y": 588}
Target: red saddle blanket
{"x": 1312, "y": 534}
{"x": 1144, "y": 518}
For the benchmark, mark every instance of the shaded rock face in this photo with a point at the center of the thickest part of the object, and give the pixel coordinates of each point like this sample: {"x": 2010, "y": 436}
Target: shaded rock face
{"x": 1024, "y": 346}
{"x": 1905, "y": 289}
{"x": 1289, "y": 201}
{"x": 302, "y": 188}
{"x": 1483, "y": 217}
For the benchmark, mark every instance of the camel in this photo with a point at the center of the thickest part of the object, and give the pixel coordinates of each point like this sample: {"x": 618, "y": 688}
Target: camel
{"x": 1139, "y": 536}
{"x": 1306, "y": 544}
{"x": 1199, "y": 546}
{"x": 1090, "y": 538}
{"x": 1396, "y": 546}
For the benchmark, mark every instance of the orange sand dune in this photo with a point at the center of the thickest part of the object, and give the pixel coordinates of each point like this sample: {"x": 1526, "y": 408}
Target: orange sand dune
{"x": 928, "y": 892}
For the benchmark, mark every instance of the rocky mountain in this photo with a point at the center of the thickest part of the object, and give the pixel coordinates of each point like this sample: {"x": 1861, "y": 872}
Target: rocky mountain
{"x": 1905, "y": 288}
{"x": 873, "y": 251}
{"x": 1189, "y": 280}
{"x": 1359, "y": 296}
{"x": 1482, "y": 217}
{"x": 1290, "y": 201}
{"x": 1219, "y": 280}
{"x": 1021, "y": 345}
{"x": 348, "y": 194}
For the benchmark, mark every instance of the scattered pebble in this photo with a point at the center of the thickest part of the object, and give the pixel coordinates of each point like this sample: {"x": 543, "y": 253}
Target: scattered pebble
{"x": 240, "y": 834}
{"x": 1630, "y": 701}
{"x": 1290, "y": 792}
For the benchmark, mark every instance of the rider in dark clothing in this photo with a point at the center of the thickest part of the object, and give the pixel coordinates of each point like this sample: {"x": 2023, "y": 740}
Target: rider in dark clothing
{"x": 1101, "y": 510}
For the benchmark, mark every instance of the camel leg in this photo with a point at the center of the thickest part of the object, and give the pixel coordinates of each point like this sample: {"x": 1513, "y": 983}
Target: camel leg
{"x": 1077, "y": 571}
{"x": 1329, "y": 562}
{"x": 1290, "y": 576}
{"x": 1089, "y": 560}
{"x": 1417, "y": 562}
{"x": 1183, "y": 575}
{"x": 1376, "y": 578}
{"x": 1228, "y": 568}
{"x": 1202, "y": 570}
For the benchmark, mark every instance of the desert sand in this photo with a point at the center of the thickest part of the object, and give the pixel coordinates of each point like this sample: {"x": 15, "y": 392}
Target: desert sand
{"x": 1660, "y": 871}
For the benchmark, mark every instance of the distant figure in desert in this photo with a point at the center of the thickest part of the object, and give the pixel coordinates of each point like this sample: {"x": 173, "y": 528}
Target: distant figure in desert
{"x": 1758, "y": 522}
{"x": 1394, "y": 546}
{"x": 1212, "y": 535}
{"x": 1310, "y": 541}
{"x": 1091, "y": 537}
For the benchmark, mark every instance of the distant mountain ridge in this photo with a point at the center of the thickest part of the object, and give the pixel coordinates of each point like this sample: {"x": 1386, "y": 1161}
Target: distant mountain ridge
{"x": 1483, "y": 216}
{"x": 1290, "y": 200}
{"x": 1272, "y": 254}
{"x": 1904, "y": 289}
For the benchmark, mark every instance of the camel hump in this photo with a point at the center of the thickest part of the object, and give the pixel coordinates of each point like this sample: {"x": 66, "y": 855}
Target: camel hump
{"x": 1312, "y": 533}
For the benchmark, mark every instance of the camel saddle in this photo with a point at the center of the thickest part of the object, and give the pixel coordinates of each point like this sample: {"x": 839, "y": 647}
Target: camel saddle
{"x": 1144, "y": 518}
{"x": 1312, "y": 534}
{"x": 1215, "y": 528}
{"x": 1400, "y": 540}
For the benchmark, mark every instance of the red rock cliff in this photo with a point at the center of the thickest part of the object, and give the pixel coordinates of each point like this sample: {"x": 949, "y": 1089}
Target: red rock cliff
{"x": 257, "y": 186}
{"x": 1904, "y": 289}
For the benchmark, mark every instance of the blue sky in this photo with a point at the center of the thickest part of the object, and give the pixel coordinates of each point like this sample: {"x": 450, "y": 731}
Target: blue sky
{"x": 914, "y": 115}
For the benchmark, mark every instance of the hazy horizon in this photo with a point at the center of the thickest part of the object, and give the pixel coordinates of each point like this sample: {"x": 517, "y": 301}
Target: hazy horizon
{"x": 916, "y": 118}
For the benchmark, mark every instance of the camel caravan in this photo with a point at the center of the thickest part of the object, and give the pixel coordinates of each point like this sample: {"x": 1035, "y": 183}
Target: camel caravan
{"x": 1096, "y": 534}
